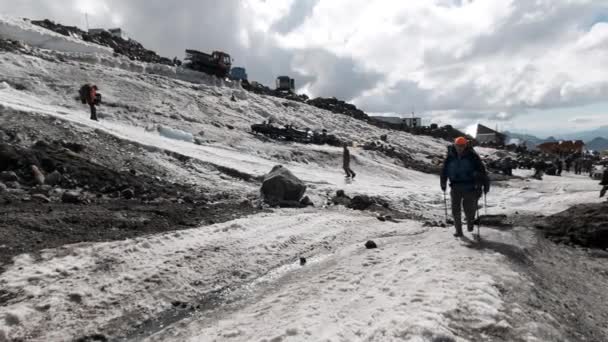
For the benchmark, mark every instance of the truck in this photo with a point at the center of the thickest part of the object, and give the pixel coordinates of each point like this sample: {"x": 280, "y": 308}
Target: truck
{"x": 238, "y": 74}
{"x": 286, "y": 83}
{"x": 217, "y": 63}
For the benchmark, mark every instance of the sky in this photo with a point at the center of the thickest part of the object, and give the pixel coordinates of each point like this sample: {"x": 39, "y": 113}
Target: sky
{"x": 532, "y": 66}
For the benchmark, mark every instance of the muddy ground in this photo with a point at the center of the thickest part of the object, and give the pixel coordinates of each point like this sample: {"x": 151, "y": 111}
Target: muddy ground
{"x": 113, "y": 190}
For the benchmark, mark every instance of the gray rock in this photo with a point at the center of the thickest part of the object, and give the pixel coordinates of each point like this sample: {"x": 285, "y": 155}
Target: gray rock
{"x": 13, "y": 185}
{"x": 9, "y": 176}
{"x": 128, "y": 193}
{"x": 281, "y": 185}
{"x": 72, "y": 197}
{"x": 370, "y": 245}
{"x": 3, "y": 187}
{"x": 38, "y": 176}
{"x": 53, "y": 178}
{"x": 307, "y": 202}
{"x": 41, "y": 198}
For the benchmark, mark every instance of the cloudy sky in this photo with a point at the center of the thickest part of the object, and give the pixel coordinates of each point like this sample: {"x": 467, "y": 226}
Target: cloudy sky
{"x": 533, "y": 66}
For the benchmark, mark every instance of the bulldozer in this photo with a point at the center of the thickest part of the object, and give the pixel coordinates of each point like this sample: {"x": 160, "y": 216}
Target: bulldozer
{"x": 217, "y": 63}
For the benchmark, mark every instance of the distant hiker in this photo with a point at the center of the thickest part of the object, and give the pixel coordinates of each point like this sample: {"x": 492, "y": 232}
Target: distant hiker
{"x": 604, "y": 182}
{"x": 577, "y": 166}
{"x": 539, "y": 169}
{"x": 346, "y": 162}
{"x": 559, "y": 166}
{"x": 88, "y": 95}
{"x": 568, "y": 164}
{"x": 468, "y": 177}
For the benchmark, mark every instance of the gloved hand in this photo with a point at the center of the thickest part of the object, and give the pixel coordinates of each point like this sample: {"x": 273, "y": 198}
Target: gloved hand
{"x": 486, "y": 188}
{"x": 443, "y": 186}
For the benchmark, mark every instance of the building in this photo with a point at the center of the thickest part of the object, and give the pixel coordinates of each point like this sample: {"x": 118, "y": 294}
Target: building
{"x": 396, "y": 120}
{"x": 564, "y": 147}
{"x": 487, "y": 135}
{"x": 119, "y": 33}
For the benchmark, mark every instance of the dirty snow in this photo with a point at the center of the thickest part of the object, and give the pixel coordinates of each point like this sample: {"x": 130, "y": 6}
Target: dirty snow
{"x": 419, "y": 285}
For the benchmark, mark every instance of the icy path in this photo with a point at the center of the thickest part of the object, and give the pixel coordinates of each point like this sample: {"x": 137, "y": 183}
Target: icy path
{"x": 420, "y": 284}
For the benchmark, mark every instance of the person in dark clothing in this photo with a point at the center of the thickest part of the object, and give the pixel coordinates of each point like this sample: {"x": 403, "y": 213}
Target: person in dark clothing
{"x": 346, "y": 162}
{"x": 568, "y": 164}
{"x": 539, "y": 168}
{"x": 468, "y": 178}
{"x": 559, "y": 166}
{"x": 604, "y": 182}
{"x": 577, "y": 167}
{"x": 88, "y": 95}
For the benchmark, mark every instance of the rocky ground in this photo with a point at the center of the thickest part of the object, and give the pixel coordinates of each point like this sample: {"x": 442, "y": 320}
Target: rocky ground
{"x": 584, "y": 225}
{"x": 89, "y": 193}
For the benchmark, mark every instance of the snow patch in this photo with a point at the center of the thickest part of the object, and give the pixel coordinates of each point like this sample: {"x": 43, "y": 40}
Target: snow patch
{"x": 175, "y": 134}
{"x": 23, "y": 30}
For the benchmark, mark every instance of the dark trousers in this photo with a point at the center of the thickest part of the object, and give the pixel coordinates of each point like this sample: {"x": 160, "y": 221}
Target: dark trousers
{"x": 348, "y": 171}
{"x": 93, "y": 112}
{"x": 466, "y": 200}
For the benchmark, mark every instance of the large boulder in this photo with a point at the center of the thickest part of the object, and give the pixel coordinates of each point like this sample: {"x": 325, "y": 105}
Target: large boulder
{"x": 282, "y": 186}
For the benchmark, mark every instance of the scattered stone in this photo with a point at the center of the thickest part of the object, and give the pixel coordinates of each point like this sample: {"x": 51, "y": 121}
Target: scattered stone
{"x": 341, "y": 199}
{"x": 302, "y": 261}
{"x": 75, "y": 297}
{"x": 74, "y": 147}
{"x": 230, "y": 127}
{"x": 3, "y": 188}
{"x": 307, "y": 202}
{"x": 370, "y": 245}
{"x": 41, "y": 198}
{"x": 128, "y": 194}
{"x": 381, "y": 218}
{"x": 13, "y": 185}
{"x": 53, "y": 178}
{"x": 72, "y": 197}
{"x": 9, "y": 176}
{"x": 361, "y": 202}
{"x": 38, "y": 176}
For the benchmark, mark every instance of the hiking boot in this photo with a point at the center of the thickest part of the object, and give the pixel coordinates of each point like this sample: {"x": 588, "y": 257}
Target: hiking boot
{"x": 458, "y": 233}
{"x": 470, "y": 228}
{"x": 353, "y": 176}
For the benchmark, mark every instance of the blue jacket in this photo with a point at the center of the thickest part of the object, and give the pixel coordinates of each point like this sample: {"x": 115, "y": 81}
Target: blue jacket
{"x": 466, "y": 173}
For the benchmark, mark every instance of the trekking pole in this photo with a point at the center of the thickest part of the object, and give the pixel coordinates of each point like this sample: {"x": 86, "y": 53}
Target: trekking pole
{"x": 485, "y": 204}
{"x": 445, "y": 205}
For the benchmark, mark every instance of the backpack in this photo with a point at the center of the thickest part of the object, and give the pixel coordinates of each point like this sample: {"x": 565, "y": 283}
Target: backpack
{"x": 84, "y": 92}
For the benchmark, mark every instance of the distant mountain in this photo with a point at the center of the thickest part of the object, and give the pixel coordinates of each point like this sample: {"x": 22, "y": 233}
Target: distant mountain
{"x": 600, "y": 132}
{"x": 597, "y": 144}
{"x": 594, "y": 139}
{"x": 531, "y": 141}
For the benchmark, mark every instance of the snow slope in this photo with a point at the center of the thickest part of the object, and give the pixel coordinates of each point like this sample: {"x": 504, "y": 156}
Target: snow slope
{"x": 419, "y": 285}
{"x": 23, "y": 30}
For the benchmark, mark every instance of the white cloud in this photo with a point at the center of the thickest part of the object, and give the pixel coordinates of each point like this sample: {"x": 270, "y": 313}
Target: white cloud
{"x": 456, "y": 61}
